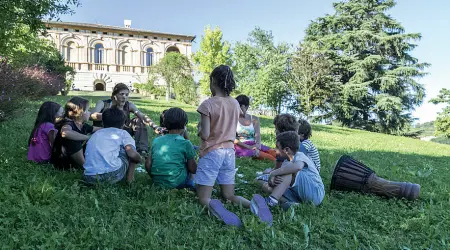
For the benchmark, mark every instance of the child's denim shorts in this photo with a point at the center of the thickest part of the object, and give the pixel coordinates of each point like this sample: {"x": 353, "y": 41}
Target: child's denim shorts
{"x": 217, "y": 165}
{"x": 111, "y": 177}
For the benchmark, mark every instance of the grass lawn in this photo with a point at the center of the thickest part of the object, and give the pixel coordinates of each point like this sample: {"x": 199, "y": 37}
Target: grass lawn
{"x": 41, "y": 207}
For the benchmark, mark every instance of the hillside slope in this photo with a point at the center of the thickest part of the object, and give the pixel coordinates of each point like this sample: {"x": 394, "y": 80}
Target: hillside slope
{"x": 44, "y": 208}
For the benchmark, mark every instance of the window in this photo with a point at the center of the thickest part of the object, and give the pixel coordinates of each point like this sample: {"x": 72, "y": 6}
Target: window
{"x": 70, "y": 49}
{"x": 155, "y": 37}
{"x": 149, "y": 57}
{"x": 131, "y": 35}
{"x": 98, "y": 53}
{"x": 49, "y": 28}
{"x": 173, "y": 49}
{"x": 105, "y": 33}
{"x": 170, "y": 39}
{"x": 120, "y": 34}
{"x": 66, "y": 29}
{"x": 145, "y": 37}
{"x": 77, "y": 30}
{"x": 94, "y": 32}
{"x": 124, "y": 55}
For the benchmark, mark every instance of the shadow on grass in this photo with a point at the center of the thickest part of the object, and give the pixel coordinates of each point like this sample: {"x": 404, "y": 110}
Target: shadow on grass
{"x": 330, "y": 129}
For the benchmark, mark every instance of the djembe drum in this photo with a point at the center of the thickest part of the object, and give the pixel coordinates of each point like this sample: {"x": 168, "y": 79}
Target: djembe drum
{"x": 351, "y": 175}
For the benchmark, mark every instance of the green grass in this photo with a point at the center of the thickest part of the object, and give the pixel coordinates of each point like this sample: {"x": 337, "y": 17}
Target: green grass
{"x": 41, "y": 207}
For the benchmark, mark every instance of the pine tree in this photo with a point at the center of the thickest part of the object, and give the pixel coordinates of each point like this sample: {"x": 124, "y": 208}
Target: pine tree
{"x": 371, "y": 54}
{"x": 442, "y": 123}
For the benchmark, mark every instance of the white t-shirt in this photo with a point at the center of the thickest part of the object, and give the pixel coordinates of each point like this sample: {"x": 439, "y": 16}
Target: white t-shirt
{"x": 102, "y": 151}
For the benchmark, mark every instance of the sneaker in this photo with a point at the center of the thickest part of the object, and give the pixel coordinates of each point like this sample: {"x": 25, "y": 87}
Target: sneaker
{"x": 217, "y": 209}
{"x": 259, "y": 207}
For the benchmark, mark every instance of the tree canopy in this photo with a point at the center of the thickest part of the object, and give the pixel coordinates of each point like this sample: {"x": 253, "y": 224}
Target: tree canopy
{"x": 442, "y": 123}
{"x": 370, "y": 53}
{"x": 262, "y": 69}
{"x": 175, "y": 70}
{"x": 18, "y": 13}
{"x": 314, "y": 86}
{"x": 212, "y": 53}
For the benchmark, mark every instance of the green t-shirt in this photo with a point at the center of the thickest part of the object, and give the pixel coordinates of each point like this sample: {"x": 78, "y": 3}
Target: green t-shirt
{"x": 170, "y": 154}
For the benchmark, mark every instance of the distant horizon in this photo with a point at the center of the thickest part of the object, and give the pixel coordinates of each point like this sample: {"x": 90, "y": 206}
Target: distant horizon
{"x": 287, "y": 21}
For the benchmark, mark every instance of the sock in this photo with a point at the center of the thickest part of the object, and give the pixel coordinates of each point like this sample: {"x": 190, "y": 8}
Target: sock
{"x": 271, "y": 201}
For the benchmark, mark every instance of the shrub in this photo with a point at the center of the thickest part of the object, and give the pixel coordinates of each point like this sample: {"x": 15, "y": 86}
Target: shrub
{"x": 186, "y": 91}
{"x": 20, "y": 85}
{"x": 149, "y": 88}
{"x": 441, "y": 140}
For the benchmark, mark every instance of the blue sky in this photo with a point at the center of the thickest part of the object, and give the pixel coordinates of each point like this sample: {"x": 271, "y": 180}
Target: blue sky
{"x": 287, "y": 20}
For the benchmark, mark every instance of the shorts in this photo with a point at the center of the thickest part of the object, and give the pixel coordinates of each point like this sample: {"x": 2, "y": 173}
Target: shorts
{"x": 303, "y": 190}
{"x": 217, "y": 165}
{"x": 111, "y": 177}
{"x": 306, "y": 189}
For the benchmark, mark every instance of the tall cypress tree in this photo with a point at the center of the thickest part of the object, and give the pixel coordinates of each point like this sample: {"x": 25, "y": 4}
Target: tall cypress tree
{"x": 371, "y": 55}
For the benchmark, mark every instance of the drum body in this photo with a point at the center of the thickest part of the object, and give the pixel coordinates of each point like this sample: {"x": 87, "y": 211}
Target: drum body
{"x": 351, "y": 175}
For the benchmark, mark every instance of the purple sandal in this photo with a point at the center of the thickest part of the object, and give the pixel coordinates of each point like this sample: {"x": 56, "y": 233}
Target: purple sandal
{"x": 259, "y": 207}
{"x": 217, "y": 209}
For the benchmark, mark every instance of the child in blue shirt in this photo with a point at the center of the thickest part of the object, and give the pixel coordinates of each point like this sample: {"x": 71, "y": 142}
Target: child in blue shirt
{"x": 111, "y": 154}
{"x": 305, "y": 132}
{"x": 307, "y": 185}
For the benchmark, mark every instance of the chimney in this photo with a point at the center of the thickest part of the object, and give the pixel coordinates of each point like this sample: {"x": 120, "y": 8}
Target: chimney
{"x": 127, "y": 23}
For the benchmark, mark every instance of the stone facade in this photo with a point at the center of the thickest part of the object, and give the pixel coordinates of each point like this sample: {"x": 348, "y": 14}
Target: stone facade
{"x": 103, "y": 56}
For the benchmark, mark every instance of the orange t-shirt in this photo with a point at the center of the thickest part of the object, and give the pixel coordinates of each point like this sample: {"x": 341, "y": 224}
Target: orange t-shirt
{"x": 223, "y": 113}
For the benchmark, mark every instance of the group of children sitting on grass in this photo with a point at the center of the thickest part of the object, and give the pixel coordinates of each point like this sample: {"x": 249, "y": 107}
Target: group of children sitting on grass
{"x": 111, "y": 154}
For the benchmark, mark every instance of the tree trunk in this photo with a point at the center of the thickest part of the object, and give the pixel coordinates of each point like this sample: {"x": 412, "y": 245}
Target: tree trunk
{"x": 167, "y": 93}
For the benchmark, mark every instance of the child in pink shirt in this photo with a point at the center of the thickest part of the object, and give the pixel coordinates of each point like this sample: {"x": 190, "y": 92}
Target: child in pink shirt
{"x": 217, "y": 130}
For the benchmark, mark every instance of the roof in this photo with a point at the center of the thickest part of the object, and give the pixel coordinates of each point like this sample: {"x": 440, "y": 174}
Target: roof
{"x": 117, "y": 28}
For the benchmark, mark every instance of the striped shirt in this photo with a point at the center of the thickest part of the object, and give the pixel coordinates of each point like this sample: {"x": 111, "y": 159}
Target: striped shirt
{"x": 312, "y": 153}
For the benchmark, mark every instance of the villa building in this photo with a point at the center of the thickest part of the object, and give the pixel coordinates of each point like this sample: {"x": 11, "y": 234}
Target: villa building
{"x": 103, "y": 56}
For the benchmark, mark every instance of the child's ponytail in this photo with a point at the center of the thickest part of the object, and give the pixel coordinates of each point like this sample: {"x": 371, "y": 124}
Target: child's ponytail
{"x": 223, "y": 77}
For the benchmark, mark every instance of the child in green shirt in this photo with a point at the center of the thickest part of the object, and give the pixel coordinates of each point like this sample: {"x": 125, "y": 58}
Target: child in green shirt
{"x": 171, "y": 163}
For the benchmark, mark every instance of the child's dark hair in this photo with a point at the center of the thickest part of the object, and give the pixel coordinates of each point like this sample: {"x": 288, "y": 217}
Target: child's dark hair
{"x": 243, "y": 100}
{"x": 175, "y": 118}
{"x": 47, "y": 113}
{"x": 304, "y": 128}
{"x": 289, "y": 139}
{"x": 113, "y": 118}
{"x": 285, "y": 122}
{"x": 119, "y": 87}
{"x": 75, "y": 107}
{"x": 223, "y": 77}
{"x": 161, "y": 119}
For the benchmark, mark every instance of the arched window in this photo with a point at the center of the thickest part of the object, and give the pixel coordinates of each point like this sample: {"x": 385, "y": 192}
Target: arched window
{"x": 98, "y": 53}
{"x": 124, "y": 55}
{"x": 173, "y": 49}
{"x": 149, "y": 57}
{"x": 70, "y": 56}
